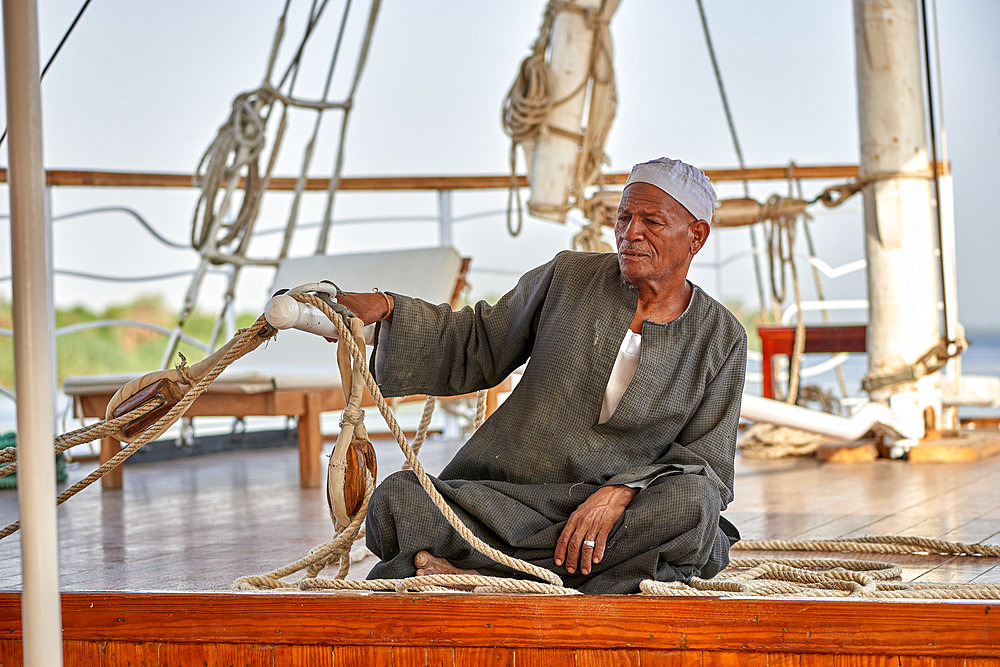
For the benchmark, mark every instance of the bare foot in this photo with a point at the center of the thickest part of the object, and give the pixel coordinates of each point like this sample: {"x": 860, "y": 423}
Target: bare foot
{"x": 427, "y": 563}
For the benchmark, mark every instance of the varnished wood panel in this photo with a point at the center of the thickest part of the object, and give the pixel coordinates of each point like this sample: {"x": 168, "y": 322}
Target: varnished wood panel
{"x": 303, "y": 656}
{"x": 607, "y": 658}
{"x": 817, "y": 660}
{"x": 409, "y": 656}
{"x": 783, "y": 660}
{"x": 419, "y": 656}
{"x": 86, "y": 654}
{"x": 362, "y": 656}
{"x": 862, "y": 660}
{"x": 484, "y": 657}
{"x": 440, "y": 657}
{"x": 670, "y": 658}
{"x": 189, "y": 655}
{"x": 245, "y": 655}
{"x": 544, "y": 657}
{"x": 10, "y": 653}
{"x": 734, "y": 659}
{"x": 131, "y": 654}
{"x": 928, "y": 661}
{"x": 590, "y": 622}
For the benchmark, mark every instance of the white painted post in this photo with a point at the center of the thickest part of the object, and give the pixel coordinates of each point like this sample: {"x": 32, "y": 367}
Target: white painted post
{"x": 40, "y": 610}
{"x": 444, "y": 218}
{"x": 902, "y": 273}
{"x": 555, "y": 152}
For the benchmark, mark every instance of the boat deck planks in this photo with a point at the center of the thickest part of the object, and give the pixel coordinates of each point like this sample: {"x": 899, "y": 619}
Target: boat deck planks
{"x": 192, "y": 525}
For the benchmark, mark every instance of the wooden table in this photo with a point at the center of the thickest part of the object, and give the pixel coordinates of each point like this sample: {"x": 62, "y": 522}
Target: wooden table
{"x": 305, "y": 404}
{"x": 781, "y": 340}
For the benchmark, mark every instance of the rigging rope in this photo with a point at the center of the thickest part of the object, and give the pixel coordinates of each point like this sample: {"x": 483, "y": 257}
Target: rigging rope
{"x": 235, "y": 152}
{"x": 55, "y": 52}
{"x": 359, "y": 366}
{"x": 736, "y": 145}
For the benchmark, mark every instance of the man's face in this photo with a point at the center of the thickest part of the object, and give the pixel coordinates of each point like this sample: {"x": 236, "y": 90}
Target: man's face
{"x": 656, "y": 236}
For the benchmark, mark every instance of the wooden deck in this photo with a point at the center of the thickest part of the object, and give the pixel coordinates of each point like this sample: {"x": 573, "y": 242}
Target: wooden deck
{"x": 189, "y": 527}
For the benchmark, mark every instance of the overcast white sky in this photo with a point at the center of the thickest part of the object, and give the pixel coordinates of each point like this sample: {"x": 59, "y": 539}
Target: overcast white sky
{"x": 144, "y": 86}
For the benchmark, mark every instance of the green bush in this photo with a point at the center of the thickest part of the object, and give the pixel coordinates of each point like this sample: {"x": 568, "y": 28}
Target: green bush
{"x": 113, "y": 349}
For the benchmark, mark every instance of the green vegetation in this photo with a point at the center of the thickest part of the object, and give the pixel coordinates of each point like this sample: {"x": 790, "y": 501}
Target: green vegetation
{"x": 112, "y": 349}
{"x": 750, "y": 319}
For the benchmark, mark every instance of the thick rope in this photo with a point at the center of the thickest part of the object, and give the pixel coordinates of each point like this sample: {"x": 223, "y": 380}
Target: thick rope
{"x": 247, "y": 340}
{"x": 803, "y": 578}
{"x": 886, "y": 544}
{"x": 425, "y": 423}
{"x": 772, "y": 441}
{"x": 83, "y": 435}
{"x": 476, "y": 583}
{"x": 838, "y": 578}
{"x": 480, "y": 410}
{"x": 321, "y": 556}
{"x": 416, "y": 466}
{"x": 752, "y": 576}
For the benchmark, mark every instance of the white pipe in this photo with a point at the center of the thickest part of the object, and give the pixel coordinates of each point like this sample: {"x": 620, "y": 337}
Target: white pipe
{"x": 444, "y": 219}
{"x": 283, "y": 312}
{"x": 757, "y": 409}
{"x": 33, "y": 326}
{"x": 789, "y": 314}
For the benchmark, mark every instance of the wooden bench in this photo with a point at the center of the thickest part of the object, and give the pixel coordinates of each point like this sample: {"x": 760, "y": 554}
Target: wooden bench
{"x": 305, "y": 404}
{"x": 828, "y": 338}
{"x": 296, "y": 375}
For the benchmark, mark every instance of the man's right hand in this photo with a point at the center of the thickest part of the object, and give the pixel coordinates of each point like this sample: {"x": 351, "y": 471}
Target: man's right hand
{"x": 369, "y": 307}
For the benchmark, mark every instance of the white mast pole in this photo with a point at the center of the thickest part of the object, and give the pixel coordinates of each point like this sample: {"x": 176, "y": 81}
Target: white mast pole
{"x": 552, "y": 160}
{"x": 40, "y": 611}
{"x": 902, "y": 280}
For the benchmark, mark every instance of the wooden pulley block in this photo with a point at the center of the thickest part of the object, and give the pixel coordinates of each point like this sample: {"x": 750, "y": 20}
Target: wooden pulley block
{"x": 345, "y": 482}
{"x": 170, "y": 385}
{"x": 162, "y": 388}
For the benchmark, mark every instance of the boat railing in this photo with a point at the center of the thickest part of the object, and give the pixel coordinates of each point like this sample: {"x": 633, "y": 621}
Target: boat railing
{"x": 445, "y": 188}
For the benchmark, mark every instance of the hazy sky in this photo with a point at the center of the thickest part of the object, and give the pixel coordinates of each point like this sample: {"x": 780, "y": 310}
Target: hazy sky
{"x": 144, "y": 86}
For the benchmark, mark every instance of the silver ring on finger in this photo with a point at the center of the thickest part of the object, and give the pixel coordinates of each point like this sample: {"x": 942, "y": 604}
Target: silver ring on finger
{"x": 589, "y": 543}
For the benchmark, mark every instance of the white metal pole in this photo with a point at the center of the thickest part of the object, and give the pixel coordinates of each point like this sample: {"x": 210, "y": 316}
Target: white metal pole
{"x": 902, "y": 276}
{"x": 40, "y": 611}
{"x": 444, "y": 218}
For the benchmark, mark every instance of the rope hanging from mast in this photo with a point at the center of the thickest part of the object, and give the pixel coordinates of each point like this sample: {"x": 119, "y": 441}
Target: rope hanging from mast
{"x": 230, "y": 169}
{"x": 529, "y": 103}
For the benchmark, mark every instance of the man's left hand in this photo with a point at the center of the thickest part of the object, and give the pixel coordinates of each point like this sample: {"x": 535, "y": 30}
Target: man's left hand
{"x": 591, "y": 522}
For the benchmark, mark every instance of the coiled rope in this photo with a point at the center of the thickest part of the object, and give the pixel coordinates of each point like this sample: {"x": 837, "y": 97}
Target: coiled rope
{"x": 529, "y": 102}
{"x": 246, "y": 340}
{"x": 880, "y": 544}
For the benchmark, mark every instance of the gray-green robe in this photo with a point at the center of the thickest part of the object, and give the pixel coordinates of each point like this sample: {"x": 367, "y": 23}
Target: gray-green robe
{"x": 543, "y": 453}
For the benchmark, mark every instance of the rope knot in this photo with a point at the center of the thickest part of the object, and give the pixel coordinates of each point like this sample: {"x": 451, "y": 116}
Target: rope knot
{"x": 182, "y": 370}
{"x": 352, "y": 416}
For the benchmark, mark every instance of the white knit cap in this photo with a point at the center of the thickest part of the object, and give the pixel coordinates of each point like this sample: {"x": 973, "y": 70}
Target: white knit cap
{"x": 688, "y": 185}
